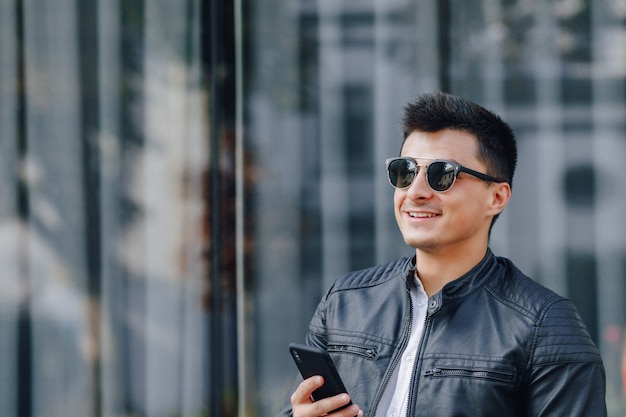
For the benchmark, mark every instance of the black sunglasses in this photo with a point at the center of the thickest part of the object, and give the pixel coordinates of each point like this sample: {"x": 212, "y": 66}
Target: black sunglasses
{"x": 440, "y": 174}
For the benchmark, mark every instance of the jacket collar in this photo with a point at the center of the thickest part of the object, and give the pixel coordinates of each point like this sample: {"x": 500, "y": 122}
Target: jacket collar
{"x": 472, "y": 279}
{"x": 466, "y": 283}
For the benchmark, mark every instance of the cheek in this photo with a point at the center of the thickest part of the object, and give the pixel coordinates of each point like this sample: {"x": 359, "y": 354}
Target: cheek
{"x": 398, "y": 198}
{"x": 397, "y": 205}
{"x": 469, "y": 213}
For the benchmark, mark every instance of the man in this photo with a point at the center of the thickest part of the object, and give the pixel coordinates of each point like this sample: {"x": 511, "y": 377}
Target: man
{"x": 452, "y": 330}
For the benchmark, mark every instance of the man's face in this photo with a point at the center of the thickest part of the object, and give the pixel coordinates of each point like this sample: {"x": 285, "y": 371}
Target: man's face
{"x": 439, "y": 222}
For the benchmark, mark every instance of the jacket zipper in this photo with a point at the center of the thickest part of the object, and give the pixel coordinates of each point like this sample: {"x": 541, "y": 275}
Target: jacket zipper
{"x": 418, "y": 356}
{"x": 472, "y": 373}
{"x": 367, "y": 352}
{"x": 396, "y": 359}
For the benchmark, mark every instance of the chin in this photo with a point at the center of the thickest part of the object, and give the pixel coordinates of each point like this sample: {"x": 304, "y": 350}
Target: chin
{"x": 421, "y": 244}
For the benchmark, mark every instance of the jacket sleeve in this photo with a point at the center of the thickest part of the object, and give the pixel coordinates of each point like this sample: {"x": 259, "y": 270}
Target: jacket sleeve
{"x": 566, "y": 371}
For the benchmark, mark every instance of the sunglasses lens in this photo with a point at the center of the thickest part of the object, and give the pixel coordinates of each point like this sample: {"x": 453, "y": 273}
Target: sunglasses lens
{"x": 441, "y": 175}
{"x": 401, "y": 172}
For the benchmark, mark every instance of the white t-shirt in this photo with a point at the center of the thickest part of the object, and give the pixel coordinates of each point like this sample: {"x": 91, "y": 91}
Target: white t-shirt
{"x": 394, "y": 400}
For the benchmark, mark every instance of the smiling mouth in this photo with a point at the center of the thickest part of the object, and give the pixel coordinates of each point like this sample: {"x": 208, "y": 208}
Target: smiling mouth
{"x": 422, "y": 215}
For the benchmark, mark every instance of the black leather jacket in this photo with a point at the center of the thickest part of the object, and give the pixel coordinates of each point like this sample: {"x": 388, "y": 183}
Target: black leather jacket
{"x": 495, "y": 343}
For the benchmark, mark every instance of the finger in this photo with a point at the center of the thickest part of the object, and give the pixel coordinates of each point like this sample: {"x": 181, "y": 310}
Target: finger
{"x": 332, "y": 406}
{"x": 352, "y": 411}
{"x": 302, "y": 394}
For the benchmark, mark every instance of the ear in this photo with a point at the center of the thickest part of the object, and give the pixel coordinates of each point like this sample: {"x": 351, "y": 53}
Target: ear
{"x": 500, "y": 196}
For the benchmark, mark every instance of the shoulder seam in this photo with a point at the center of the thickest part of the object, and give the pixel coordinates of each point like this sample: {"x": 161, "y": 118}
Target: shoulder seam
{"x": 372, "y": 276}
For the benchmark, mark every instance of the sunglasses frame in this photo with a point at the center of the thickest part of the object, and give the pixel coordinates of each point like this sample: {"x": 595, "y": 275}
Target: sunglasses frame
{"x": 457, "y": 169}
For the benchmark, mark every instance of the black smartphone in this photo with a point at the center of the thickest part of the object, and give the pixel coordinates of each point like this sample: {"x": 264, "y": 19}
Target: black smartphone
{"x": 314, "y": 361}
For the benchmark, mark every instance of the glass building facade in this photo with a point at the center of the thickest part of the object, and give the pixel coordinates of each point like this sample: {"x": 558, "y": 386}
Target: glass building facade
{"x": 182, "y": 180}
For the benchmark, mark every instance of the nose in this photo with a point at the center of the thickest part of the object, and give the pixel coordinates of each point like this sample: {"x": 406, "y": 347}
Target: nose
{"x": 419, "y": 188}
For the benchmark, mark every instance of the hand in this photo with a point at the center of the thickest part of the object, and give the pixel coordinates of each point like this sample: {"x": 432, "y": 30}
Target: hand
{"x": 302, "y": 405}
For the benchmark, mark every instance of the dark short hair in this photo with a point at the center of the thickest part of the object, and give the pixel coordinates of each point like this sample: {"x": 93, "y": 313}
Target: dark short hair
{"x": 497, "y": 149}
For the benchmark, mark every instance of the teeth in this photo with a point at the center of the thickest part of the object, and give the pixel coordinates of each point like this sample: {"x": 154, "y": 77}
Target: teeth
{"x": 422, "y": 215}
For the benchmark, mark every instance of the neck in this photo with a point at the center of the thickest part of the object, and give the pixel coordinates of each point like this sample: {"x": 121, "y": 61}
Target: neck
{"x": 436, "y": 269}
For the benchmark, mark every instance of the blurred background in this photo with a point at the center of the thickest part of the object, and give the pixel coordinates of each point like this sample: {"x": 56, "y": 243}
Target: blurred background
{"x": 180, "y": 181}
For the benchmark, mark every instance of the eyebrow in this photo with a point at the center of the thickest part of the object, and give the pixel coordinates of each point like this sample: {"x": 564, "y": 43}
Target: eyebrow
{"x": 432, "y": 159}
